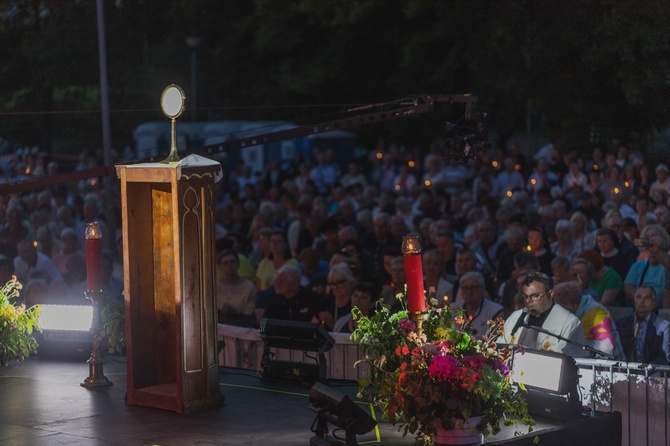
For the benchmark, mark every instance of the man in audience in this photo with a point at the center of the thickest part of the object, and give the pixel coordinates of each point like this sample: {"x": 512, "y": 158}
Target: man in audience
{"x": 644, "y": 336}
{"x": 488, "y": 242}
{"x": 478, "y": 308}
{"x": 289, "y": 300}
{"x": 29, "y": 261}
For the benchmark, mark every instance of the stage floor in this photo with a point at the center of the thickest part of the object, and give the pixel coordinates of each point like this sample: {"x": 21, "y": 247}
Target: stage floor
{"x": 42, "y": 403}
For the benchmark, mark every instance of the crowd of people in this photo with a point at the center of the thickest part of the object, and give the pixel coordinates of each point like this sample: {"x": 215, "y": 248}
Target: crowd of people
{"x": 503, "y": 234}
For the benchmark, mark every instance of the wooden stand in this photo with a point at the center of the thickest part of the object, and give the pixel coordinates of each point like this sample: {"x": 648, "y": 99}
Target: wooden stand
{"x": 170, "y": 303}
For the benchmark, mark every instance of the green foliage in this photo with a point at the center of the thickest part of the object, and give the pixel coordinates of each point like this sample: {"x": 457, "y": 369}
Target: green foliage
{"x": 114, "y": 327}
{"x": 17, "y": 324}
{"x": 562, "y": 66}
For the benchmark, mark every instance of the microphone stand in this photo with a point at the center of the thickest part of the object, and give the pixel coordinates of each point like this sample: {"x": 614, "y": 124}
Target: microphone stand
{"x": 592, "y": 351}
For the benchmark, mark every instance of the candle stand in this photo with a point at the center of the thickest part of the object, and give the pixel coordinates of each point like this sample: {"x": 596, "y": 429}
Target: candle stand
{"x": 418, "y": 317}
{"x": 96, "y": 376}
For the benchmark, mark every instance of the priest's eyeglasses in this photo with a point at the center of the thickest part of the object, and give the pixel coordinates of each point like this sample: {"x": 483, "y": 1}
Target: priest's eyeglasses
{"x": 534, "y": 296}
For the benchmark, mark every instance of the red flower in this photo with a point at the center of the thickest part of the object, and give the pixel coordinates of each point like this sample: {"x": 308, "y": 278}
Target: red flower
{"x": 402, "y": 351}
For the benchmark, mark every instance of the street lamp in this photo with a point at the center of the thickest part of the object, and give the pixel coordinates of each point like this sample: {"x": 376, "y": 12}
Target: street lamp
{"x": 193, "y": 43}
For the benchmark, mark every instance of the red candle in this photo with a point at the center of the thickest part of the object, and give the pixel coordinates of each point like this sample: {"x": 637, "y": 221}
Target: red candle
{"x": 93, "y": 253}
{"x": 416, "y": 300}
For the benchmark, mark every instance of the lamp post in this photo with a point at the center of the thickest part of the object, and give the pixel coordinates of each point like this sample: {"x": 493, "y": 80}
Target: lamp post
{"x": 193, "y": 43}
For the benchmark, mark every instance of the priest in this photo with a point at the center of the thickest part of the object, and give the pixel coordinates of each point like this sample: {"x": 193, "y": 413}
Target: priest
{"x": 531, "y": 325}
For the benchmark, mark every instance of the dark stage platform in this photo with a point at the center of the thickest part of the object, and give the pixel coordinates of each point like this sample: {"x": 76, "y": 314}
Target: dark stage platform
{"x": 42, "y": 403}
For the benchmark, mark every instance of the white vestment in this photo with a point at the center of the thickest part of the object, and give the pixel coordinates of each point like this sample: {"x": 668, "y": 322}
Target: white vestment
{"x": 559, "y": 321}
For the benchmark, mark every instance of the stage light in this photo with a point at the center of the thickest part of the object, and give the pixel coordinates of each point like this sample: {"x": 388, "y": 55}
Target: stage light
{"x": 339, "y": 410}
{"x": 65, "y": 330}
{"x": 550, "y": 380}
{"x": 66, "y": 317}
{"x": 294, "y": 335}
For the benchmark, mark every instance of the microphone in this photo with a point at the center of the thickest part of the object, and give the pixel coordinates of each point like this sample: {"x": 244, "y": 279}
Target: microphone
{"x": 521, "y": 321}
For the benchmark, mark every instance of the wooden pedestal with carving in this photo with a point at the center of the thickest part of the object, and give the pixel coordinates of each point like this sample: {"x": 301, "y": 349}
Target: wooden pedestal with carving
{"x": 170, "y": 303}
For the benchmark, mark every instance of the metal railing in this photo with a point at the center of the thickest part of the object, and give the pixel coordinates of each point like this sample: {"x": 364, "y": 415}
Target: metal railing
{"x": 641, "y": 392}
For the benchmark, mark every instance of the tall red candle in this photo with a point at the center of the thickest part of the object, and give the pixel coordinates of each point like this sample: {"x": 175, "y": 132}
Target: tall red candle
{"x": 93, "y": 252}
{"x": 416, "y": 299}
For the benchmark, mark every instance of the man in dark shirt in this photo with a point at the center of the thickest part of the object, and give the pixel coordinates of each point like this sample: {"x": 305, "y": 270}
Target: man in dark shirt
{"x": 644, "y": 336}
{"x": 290, "y": 300}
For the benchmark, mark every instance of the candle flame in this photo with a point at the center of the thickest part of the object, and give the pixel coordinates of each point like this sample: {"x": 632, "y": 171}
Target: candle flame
{"x": 427, "y": 183}
{"x": 410, "y": 163}
{"x": 509, "y": 193}
{"x": 494, "y": 163}
{"x": 380, "y": 155}
{"x": 411, "y": 244}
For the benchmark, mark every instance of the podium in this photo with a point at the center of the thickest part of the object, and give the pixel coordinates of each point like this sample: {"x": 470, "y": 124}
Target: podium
{"x": 169, "y": 281}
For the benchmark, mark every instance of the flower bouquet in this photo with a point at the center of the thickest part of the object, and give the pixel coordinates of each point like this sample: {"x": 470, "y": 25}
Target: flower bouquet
{"x": 439, "y": 376}
{"x": 16, "y": 325}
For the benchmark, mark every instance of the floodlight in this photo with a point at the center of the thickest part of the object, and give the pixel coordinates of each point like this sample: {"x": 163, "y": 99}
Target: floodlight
{"x": 338, "y": 409}
{"x": 65, "y": 329}
{"x": 550, "y": 380}
{"x": 294, "y": 335}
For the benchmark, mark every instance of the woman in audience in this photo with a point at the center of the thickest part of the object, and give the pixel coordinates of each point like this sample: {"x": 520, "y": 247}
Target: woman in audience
{"x": 278, "y": 257}
{"x": 433, "y": 277}
{"x": 605, "y": 281}
{"x": 338, "y": 301}
{"x": 362, "y": 299}
{"x": 607, "y": 242}
{"x": 235, "y": 295}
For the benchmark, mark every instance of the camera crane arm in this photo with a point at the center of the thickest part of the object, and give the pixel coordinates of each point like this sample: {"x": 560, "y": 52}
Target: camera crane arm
{"x": 411, "y": 106}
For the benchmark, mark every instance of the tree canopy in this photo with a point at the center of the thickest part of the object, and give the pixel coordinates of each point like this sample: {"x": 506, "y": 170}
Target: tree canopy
{"x": 581, "y": 70}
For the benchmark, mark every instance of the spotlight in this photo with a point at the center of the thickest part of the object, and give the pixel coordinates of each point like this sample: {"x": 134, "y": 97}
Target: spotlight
{"x": 338, "y": 409}
{"x": 294, "y": 335}
{"x": 550, "y": 380}
{"x": 65, "y": 330}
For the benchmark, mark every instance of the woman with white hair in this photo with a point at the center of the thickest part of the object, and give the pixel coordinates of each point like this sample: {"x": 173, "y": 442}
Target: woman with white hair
{"x": 337, "y": 303}
{"x": 564, "y": 244}
{"x": 662, "y": 179}
{"x": 582, "y": 238}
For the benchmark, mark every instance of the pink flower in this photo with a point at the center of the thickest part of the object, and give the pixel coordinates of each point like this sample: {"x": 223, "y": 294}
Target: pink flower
{"x": 443, "y": 367}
